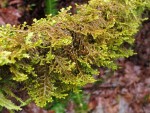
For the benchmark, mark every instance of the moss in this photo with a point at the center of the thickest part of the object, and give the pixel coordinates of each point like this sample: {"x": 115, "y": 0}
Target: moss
{"x": 59, "y": 53}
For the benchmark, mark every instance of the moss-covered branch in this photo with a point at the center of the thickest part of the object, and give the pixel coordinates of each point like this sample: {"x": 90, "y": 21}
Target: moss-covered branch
{"x": 59, "y": 53}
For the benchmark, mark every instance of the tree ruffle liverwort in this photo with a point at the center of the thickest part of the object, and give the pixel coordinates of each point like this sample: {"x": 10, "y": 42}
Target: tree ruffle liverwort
{"x": 58, "y": 54}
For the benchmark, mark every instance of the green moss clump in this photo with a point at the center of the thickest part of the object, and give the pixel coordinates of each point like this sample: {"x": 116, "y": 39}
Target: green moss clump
{"x": 59, "y": 53}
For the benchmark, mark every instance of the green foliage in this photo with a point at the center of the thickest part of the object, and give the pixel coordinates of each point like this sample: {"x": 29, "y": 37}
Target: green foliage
{"x": 7, "y": 103}
{"x": 6, "y": 93}
{"x": 76, "y": 99}
{"x": 51, "y": 7}
{"x": 59, "y": 53}
{"x": 79, "y": 102}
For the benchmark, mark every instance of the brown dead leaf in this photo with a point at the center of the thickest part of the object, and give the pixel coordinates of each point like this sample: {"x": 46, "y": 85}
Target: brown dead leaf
{"x": 12, "y": 2}
{"x": 2, "y": 22}
{"x": 123, "y": 105}
{"x": 32, "y": 108}
{"x": 10, "y": 15}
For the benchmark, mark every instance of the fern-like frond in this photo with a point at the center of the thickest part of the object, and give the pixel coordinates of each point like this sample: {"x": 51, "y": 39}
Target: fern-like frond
{"x": 51, "y": 7}
{"x": 4, "y": 102}
{"x": 41, "y": 90}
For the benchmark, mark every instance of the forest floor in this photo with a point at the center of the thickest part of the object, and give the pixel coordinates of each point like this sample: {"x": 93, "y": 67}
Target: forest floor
{"x": 126, "y": 90}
